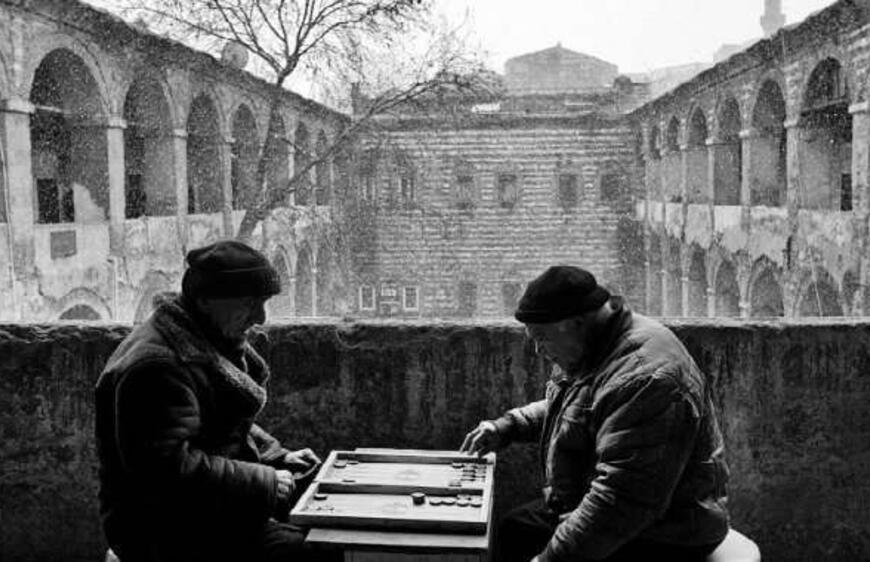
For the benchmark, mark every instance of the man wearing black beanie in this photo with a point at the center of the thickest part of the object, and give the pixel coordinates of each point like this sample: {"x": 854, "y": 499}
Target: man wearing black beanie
{"x": 630, "y": 445}
{"x": 185, "y": 473}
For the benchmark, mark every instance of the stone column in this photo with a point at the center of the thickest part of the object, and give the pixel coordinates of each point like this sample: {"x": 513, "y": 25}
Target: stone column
{"x": 117, "y": 183}
{"x": 713, "y": 149}
{"x": 179, "y": 161}
{"x": 648, "y": 280}
{"x": 664, "y": 276}
{"x": 685, "y": 295}
{"x": 226, "y": 163}
{"x": 861, "y": 194}
{"x": 744, "y": 309}
{"x": 15, "y": 140}
{"x": 860, "y": 155}
{"x": 711, "y": 302}
{"x": 793, "y": 172}
{"x": 314, "y": 289}
{"x": 290, "y": 196}
{"x": 747, "y": 143}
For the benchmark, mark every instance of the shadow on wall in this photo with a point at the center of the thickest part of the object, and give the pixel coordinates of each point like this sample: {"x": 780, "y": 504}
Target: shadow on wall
{"x": 792, "y": 399}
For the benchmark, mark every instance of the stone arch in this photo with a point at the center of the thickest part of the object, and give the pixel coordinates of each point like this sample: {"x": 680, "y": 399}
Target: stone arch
{"x": 154, "y": 284}
{"x": 322, "y": 175}
{"x": 768, "y": 149}
{"x": 697, "y": 162}
{"x": 76, "y": 303}
{"x": 727, "y": 290}
{"x": 282, "y": 305}
{"x": 69, "y": 153}
{"x": 825, "y": 142}
{"x": 765, "y": 290}
{"x": 672, "y": 135}
{"x": 301, "y": 160}
{"x": 204, "y": 169}
{"x": 276, "y": 155}
{"x": 304, "y": 282}
{"x": 656, "y": 269}
{"x": 818, "y": 295}
{"x": 243, "y": 157}
{"x": 88, "y": 54}
{"x": 655, "y": 143}
{"x": 674, "y": 278}
{"x": 149, "y": 154}
{"x": 697, "y": 283}
{"x": 728, "y": 153}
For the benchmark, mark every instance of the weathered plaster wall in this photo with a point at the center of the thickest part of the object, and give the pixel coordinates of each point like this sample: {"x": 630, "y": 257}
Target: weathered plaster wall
{"x": 792, "y": 399}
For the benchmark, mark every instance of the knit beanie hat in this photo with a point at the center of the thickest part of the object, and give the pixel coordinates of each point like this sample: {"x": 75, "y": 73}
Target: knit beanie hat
{"x": 561, "y": 292}
{"x": 229, "y": 269}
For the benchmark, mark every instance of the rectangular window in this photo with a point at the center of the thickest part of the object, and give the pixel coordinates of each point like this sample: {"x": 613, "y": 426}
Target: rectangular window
{"x": 406, "y": 188}
{"x": 568, "y": 190}
{"x": 467, "y": 298}
{"x": 366, "y": 297}
{"x": 611, "y": 187}
{"x": 368, "y": 193}
{"x": 464, "y": 190}
{"x": 507, "y": 189}
{"x": 410, "y": 300}
{"x": 846, "y": 192}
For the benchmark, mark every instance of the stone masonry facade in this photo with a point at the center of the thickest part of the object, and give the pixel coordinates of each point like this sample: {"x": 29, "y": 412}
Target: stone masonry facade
{"x": 755, "y": 177}
{"x": 119, "y": 150}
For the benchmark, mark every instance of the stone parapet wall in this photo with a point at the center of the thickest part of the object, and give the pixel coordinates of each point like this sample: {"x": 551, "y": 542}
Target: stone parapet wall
{"x": 792, "y": 396}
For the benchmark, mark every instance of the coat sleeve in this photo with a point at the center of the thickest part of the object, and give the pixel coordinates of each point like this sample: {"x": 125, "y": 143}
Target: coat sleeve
{"x": 158, "y": 423}
{"x": 524, "y": 423}
{"x": 270, "y": 449}
{"x": 642, "y": 447}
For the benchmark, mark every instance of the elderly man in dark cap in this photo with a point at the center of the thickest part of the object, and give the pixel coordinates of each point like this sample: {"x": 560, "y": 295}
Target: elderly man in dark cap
{"x": 630, "y": 446}
{"x": 185, "y": 474}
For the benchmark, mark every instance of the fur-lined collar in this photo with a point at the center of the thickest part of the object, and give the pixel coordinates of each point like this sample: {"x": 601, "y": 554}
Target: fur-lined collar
{"x": 184, "y": 336}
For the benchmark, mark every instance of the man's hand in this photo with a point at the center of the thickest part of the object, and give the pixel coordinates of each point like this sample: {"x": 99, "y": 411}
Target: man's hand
{"x": 286, "y": 485}
{"x": 482, "y": 439}
{"x": 302, "y": 462}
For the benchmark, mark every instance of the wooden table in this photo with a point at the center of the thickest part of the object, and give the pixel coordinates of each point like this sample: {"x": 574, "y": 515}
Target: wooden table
{"x": 383, "y": 543}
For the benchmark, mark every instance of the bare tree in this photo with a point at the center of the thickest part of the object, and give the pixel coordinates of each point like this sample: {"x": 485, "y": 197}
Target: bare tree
{"x": 391, "y": 51}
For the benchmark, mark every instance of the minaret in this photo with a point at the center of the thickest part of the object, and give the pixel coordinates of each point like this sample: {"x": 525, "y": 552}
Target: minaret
{"x": 773, "y": 18}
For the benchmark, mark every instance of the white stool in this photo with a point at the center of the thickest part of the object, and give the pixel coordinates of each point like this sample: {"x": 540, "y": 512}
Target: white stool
{"x": 735, "y": 548}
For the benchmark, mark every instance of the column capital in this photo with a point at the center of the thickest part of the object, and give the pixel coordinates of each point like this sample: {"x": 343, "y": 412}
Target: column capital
{"x": 713, "y": 141}
{"x": 227, "y": 139}
{"x": 792, "y": 123}
{"x": 750, "y": 133}
{"x": 178, "y": 133}
{"x": 860, "y": 107}
{"x": 116, "y": 122}
{"x": 16, "y": 105}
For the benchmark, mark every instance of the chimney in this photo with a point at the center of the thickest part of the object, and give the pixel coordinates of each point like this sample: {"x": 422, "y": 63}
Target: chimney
{"x": 773, "y": 18}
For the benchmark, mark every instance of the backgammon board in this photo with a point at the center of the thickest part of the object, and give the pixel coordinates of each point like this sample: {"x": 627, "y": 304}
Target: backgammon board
{"x": 396, "y": 489}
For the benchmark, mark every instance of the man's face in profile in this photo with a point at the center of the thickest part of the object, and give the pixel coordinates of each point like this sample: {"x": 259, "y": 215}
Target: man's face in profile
{"x": 563, "y": 342}
{"x": 233, "y": 317}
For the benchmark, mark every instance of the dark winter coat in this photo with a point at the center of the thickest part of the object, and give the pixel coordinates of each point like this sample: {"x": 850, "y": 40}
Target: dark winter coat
{"x": 183, "y": 468}
{"x": 630, "y": 447}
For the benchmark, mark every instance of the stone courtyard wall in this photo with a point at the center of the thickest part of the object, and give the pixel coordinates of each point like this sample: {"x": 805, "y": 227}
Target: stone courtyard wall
{"x": 793, "y": 400}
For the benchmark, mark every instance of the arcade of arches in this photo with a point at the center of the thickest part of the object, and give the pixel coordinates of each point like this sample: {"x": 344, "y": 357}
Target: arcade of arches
{"x": 750, "y": 208}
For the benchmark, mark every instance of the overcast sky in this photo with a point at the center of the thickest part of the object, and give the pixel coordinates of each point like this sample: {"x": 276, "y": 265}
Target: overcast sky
{"x": 636, "y": 35}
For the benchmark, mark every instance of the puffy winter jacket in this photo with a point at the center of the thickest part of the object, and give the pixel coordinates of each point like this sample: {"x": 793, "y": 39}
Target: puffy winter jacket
{"x": 183, "y": 468}
{"x": 630, "y": 447}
